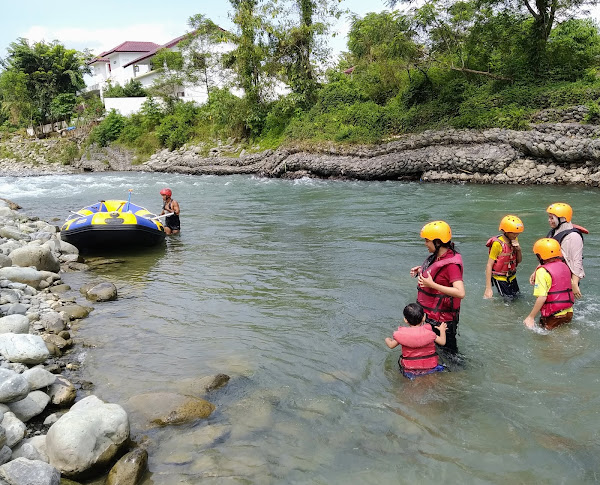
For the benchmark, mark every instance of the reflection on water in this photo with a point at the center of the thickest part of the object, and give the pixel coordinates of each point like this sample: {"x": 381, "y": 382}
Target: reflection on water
{"x": 290, "y": 287}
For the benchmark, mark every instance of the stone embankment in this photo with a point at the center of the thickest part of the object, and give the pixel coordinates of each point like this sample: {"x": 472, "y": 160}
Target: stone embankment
{"x": 548, "y": 153}
{"x": 557, "y": 153}
{"x": 50, "y": 423}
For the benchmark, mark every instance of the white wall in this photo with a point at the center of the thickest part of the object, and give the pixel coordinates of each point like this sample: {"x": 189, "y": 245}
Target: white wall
{"x": 125, "y": 106}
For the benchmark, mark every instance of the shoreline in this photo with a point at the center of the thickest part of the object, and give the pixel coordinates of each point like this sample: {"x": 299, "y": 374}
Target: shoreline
{"x": 549, "y": 153}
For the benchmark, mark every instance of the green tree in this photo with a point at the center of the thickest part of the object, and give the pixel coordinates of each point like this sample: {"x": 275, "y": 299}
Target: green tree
{"x": 298, "y": 43}
{"x": 247, "y": 60}
{"x": 62, "y": 107}
{"x": 16, "y": 102}
{"x": 49, "y": 69}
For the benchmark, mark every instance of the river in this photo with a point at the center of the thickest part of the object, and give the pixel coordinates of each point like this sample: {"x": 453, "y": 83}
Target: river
{"x": 290, "y": 287}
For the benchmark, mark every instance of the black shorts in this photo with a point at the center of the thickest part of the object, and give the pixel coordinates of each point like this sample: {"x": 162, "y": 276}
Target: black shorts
{"x": 507, "y": 289}
{"x": 172, "y": 222}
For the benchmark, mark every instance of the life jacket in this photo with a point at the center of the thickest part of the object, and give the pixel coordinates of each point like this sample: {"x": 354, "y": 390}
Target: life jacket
{"x": 561, "y": 235}
{"x": 418, "y": 347}
{"x": 560, "y": 296}
{"x": 437, "y": 306}
{"x": 506, "y": 264}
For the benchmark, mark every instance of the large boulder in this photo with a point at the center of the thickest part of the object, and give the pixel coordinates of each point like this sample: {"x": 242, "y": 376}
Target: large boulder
{"x": 23, "y": 348}
{"x": 39, "y": 256}
{"x": 39, "y": 378}
{"x": 62, "y": 393}
{"x": 87, "y": 437}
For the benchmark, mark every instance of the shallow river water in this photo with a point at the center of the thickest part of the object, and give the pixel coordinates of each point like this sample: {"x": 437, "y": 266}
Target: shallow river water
{"x": 290, "y": 287}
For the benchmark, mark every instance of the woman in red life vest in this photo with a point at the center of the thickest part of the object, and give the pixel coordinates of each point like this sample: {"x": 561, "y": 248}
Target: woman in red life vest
{"x": 418, "y": 343}
{"x": 504, "y": 257}
{"x": 440, "y": 281}
{"x": 552, "y": 287}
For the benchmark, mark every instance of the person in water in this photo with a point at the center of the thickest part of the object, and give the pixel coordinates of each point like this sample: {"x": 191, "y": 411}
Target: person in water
{"x": 440, "y": 282}
{"x": 418, "y": 343}
{"x": 504, "y": 257}
{"x": 570, "y": 238}
{"x": 170, "y": 206}
{"x": 552, "y": 287}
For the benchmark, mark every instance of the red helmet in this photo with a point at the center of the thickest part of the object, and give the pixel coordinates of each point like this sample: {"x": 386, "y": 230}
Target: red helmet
{"x": 166, "y": 192}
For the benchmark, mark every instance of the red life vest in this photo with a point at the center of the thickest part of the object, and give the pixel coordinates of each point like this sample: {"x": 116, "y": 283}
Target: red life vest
{"x": 506, "y": 264}
{"x": 560, "y": 296}
{"x": 418, "y": 347}
{"x": 437, "y": 306}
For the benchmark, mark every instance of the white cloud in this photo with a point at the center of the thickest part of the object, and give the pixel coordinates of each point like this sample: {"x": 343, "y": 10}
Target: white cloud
{"x": 103, "y": 39}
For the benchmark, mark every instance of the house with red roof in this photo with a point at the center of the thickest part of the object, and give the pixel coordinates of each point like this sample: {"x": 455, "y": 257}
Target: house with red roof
{"x": 133, "y": 60}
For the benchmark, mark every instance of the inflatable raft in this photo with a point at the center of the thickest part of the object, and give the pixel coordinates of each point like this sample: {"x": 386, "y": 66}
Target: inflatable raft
{"x": 112, "y": 224}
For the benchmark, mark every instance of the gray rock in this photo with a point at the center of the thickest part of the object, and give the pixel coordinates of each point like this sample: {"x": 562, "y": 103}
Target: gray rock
{"x": 31, "y": 406}
{"x": 53, "y": 322}
{"x": 32, "y": 449}
{"x": 14, "y": 427}
{"x": 102, "y": 292}
{"x": 73, "y": 312}
{"x": 14, "y": 324}
{"x": 5, "y": 261}
{"x": 39, "y": 256}
{"x": 5, "y": 455}
{"x": 12, "y": 233}
{"x": 29, "y": 472}
{"x": 87, "y": 437}
{"x": 23, "y": 348}
{"x": 39, "y": 378}
{"x": 29, "y": 276}
{"x": 13, "y": 386}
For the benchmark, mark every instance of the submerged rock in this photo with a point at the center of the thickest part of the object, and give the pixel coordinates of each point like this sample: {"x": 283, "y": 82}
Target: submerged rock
{"x": 166, "y": 408}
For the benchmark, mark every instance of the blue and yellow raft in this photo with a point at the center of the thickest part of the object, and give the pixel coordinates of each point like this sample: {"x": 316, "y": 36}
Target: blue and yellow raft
{"x": 112, "y": 224}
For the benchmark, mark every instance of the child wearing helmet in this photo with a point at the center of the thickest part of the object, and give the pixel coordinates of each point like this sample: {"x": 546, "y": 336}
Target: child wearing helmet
{"x": 552, "y": 287}
{"x": 440, "y": 282}
{"x": 170, "y": 206}
{"x": 570, "y": 238}
{"x": 504, "y": 257}
{"x": 418, "y": 343}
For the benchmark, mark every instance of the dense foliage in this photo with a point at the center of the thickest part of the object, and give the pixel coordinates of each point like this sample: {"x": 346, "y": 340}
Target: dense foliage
{"x": 447, "y": 63}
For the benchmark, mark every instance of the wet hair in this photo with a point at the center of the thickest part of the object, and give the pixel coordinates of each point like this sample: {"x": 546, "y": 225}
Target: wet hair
{"x": 413, "y": 312}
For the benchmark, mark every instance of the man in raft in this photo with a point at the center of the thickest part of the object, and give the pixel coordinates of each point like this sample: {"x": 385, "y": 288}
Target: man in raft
{"x": 552, "y": 287}
{"x": 418, "y": 343}
{"x": 170, "y": 206}
{"x": 440, "y": 282}
{"x": 504, "y": 257}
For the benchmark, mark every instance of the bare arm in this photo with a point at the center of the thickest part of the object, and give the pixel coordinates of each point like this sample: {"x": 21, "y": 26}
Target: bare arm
{"x": 488, "y": 279}
{"x": 391, "y": 343}
{"x": 175, "y": 208}
{"x": 441, "y": 338}
{"x": 530, "y": 320}
{"x": 575, "y": 285}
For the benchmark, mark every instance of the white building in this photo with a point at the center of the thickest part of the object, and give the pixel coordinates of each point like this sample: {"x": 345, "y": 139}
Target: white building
{"x": 133, "y": 60}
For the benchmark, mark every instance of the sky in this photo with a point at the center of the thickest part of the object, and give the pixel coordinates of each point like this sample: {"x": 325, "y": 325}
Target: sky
{"x": 102, "y": 25}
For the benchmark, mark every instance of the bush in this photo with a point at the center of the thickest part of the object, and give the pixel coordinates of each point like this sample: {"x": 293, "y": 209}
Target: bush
{"x": 109, "y": 129}
{"x": 176, "y": 129}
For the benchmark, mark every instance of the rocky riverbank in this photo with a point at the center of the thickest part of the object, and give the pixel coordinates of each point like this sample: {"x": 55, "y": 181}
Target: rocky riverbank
{"x": 549, "y": 153}
{"x": 51, "y": 425}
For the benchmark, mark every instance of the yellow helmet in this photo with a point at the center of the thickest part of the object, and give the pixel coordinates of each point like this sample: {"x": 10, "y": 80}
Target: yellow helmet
{"x": 511, "y": 224}
{"x": 437, "y": 230}
{"x": 547, "y": 248}
{"x": 560, "y": 209}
